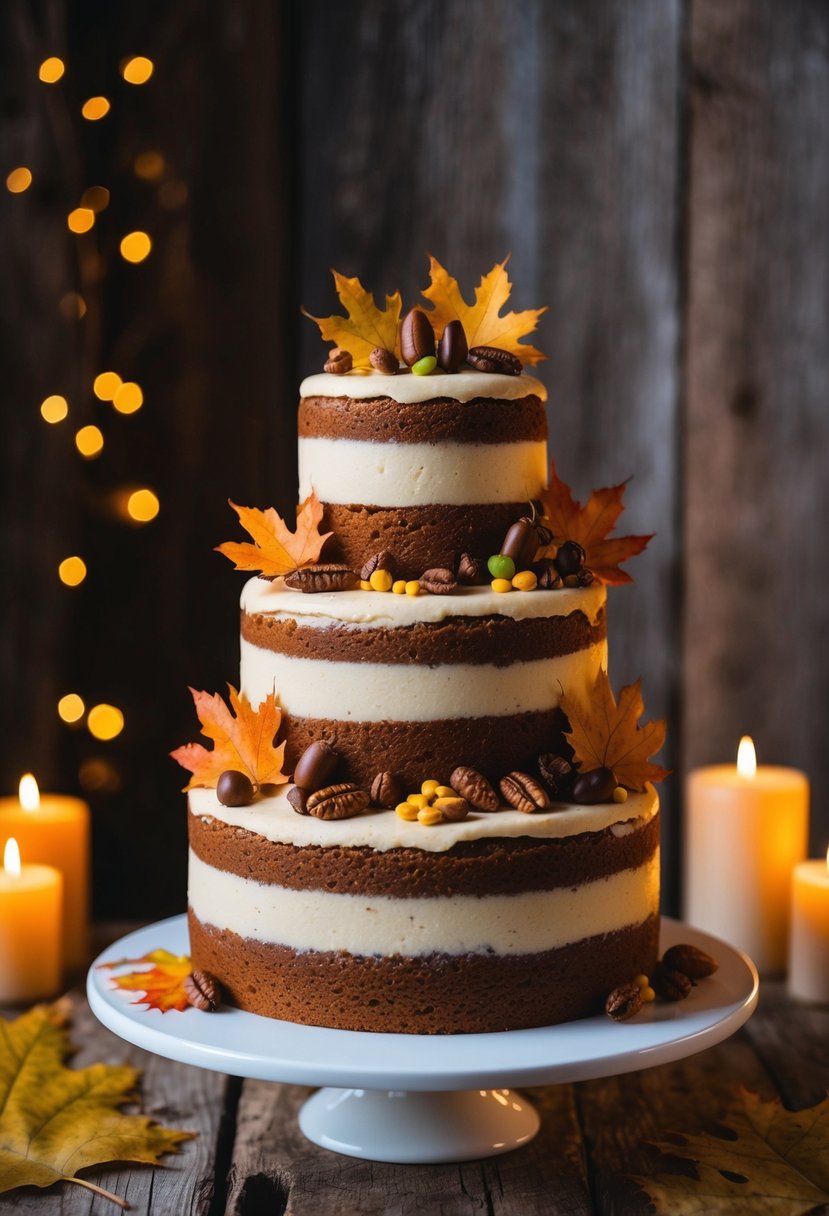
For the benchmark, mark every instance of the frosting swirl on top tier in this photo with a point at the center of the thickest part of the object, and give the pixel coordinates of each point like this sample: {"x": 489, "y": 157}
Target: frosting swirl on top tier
{"x": 408, "y": 388}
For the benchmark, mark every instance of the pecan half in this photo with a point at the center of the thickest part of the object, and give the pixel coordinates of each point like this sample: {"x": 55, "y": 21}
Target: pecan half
{"x": 691, "y": 961}
{"x": 556, "y": 774}
{"x": 475, "y": 788}
{"x": 386, "y": 790}
{"x": 524, "y": 793}
{"x": 624, "y": 1002}
{"x": 338, "y": 801}
{"x": 382, "y": 560}
{"x": 203, "y": 991}
{"x": 472, "y": 571}
{"x": 438, "y": 581}
{"x": 383, "y": 360}
{"x": 326, "y": 576}
{"x": 670, "y": 985}
{"x": 338, "y": 361}
{"x": 494, "y": 359}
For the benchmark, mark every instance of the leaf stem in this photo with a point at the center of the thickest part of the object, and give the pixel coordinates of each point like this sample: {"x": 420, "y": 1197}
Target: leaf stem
{"x": 99, "y": 1190}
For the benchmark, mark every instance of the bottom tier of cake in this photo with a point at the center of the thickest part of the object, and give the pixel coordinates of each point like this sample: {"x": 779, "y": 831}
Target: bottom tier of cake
{"x": 500, "y": 922}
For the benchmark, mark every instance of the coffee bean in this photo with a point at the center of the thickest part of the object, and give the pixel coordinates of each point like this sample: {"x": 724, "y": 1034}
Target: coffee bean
{"x": 386, "y": 790}
{"x": 438, "y": 581}
{"x": 494, "y": 359}
{"x": 596, "y": 785}
{"x": 548, "y": 577}
{"x": 384, "y": 361}
{"x": 452, "y": 349}
{"x": 234, "y": 789}
{"x": 417, "y": 338}
{"x": 624, "y": 1002}
{"x": 521, "y": 544}
{"x": 569, "y": 559}
{"x": 670, "y": 985}
{"x": 691, "y": 961}
{"x": 315, "y": 765}
{"x": 556, "y": 774}
{"x": 472, "y": 571}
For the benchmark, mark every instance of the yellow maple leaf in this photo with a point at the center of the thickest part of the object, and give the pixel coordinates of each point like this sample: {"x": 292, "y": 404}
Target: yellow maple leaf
{"x": 275, "y": 549}
{"x": 606, "y": 734}
{"x": 162, "y": 983}
{"x": 482, "y": 324}
{"x": 366, "y": 326}
{"x": 56, "y": 1121}
{"x": 244, "y": 742}
{"x": 775, "y": 1162}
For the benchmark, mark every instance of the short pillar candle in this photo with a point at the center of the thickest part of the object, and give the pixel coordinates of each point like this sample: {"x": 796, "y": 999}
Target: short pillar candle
{"x": 746, "y": 828}
{"x": 31, "y": 898}
{"x": 809, "y": 942}
{"x": 54, "y": 829}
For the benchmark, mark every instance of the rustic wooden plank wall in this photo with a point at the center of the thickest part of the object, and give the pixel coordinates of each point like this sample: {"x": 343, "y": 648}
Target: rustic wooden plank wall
{"x": 661, "y": 174}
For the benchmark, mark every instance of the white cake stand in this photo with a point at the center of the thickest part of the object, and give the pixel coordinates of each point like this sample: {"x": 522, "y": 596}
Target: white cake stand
{"x": 420, "y": 1098}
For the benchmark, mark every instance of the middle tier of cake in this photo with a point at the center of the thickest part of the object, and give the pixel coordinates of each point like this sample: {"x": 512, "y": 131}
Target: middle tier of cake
{"x": 420, "y": 685}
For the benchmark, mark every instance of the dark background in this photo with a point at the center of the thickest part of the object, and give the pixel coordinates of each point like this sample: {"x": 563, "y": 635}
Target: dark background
{"x": 659, "y": 170}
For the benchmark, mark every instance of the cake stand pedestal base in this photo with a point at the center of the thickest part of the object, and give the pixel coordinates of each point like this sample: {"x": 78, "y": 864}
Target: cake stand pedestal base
{"x": 411, "y": 1128}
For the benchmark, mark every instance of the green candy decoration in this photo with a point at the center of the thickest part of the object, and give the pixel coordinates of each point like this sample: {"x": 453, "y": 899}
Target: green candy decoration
{"x": 501, "y": 567}
{"x": 425, "y": 366}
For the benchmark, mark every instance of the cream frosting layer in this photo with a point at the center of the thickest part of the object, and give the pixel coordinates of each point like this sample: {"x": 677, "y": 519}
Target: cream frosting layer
{"x": 420, "y": 474}
{"x": 384, "y": 610}
{"x": 460, "y": 924}
{"x": 406, "y": 692}
{"x": 275, "y": 819}
{"x": 408, "y": 388}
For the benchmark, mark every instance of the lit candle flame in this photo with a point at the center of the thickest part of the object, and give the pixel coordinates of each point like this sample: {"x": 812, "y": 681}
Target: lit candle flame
{"x": 28, "y": 793}
{"x": 11, "y": 858}
{"x": 746, "y": 758}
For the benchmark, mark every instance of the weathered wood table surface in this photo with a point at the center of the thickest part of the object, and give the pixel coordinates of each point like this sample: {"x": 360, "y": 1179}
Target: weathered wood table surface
{"x": 250, "y": 1159}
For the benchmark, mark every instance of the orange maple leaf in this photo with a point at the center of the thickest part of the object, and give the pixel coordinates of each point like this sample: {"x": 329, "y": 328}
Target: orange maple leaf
{"x": 482, "y": 324}
{"x": 606, "y": 734}
{"x": 366, "y": 325}
{"x": 245, "y": 742}
{"x": 162, "y": 983}
{"x": 590, "y": 525}
{"x": 275, "y": 549}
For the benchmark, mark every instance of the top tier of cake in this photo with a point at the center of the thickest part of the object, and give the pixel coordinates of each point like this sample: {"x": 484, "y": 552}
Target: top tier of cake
{"x": 428, "y": 467}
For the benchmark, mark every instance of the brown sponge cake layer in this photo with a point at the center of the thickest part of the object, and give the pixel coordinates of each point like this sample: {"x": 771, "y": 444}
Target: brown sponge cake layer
{"x": 420, "y": 538}
{"x": 385, "y": 421}
{"x": 436, "y": 994}
{"x": 486, "y": 639}
{"x": 503, "y": 866}
{"x": 492, "y": 745}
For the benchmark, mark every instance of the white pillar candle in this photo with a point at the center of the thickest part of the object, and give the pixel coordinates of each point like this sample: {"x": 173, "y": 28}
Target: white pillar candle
{"x": 30, "y": 928}
{"x": 746, "y": 828}
{"x": 809, "y": 948}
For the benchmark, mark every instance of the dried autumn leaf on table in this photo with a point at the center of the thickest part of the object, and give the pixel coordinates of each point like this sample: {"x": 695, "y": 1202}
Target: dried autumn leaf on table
{"x": 244, "y": 742}
{"x": 366, "y": 327}
{"x": 604, "y": 734}
{"x": 56, "y": 1121}
{"x": 590, "y": 526}
{"x": 275, "y": 549}
{"x": 776, "y": 1164}
{"x": 162, "y": 983}
{"x": 482, "y": 324}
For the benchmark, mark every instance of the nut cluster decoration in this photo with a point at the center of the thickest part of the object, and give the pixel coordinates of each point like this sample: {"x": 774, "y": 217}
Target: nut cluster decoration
{"x": 673, "y": 978}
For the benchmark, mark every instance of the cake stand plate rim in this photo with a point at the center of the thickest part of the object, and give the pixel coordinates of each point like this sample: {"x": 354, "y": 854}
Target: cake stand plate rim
{"x": 249, "y": 1045}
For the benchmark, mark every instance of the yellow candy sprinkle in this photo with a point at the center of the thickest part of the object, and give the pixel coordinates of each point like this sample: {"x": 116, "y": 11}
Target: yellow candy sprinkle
{"x": 406, "y": 811}
{"x": 445, "y": 791}
{"x": 525, "y": 580}
{"x": 501, "y": 584}
{"x": 413, "y": 587}
{"x": 648, "y": 994}
{"x": 620, "y": 794}
{"x": 399, "y": 588}
{"x": 365, "y": 585}
{"x": 429, "y": 815}
{"x": 418, "y": 800}
{"x": 381, "y": 580}
{"x": 428, "y": 788}
{"x": 641, "y": 980}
